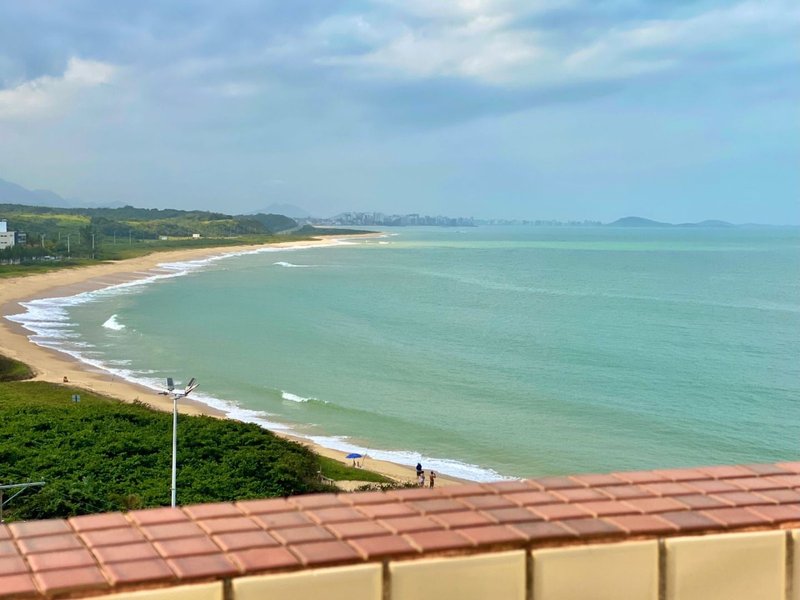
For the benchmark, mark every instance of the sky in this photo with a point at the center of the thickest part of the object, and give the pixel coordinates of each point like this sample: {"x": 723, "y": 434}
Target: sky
{"x": 676, "y": 110}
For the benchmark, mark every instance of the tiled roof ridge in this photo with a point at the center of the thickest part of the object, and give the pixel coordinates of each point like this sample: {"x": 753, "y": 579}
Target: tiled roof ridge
{"x": 93, "y": 554}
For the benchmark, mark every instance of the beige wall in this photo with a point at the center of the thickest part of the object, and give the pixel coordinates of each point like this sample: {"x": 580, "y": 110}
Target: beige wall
{"x": 732, "y": 566}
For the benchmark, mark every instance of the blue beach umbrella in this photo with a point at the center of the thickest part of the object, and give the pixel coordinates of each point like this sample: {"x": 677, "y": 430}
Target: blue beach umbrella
{"x": 354, "y": 455}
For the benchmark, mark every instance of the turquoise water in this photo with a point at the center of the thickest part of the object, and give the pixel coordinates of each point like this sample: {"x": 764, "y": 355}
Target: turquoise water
{"x": 487, "y": 351}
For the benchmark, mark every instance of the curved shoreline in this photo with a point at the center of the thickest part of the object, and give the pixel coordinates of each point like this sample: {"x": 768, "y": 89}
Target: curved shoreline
{"x": 52, "y": 365}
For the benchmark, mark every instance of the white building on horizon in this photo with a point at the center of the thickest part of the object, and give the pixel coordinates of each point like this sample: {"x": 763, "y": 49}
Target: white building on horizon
{"x": 7, "y": 238}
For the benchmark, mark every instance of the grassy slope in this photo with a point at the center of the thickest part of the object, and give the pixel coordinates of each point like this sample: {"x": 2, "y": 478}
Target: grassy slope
{"x": 103, "y": 455}
{"x": 13, "y": 370}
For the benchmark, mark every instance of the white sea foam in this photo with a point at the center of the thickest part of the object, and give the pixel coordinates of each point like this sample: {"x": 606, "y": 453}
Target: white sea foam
{"x": 289, "y": 265}
{"x": 294, "y": 397}
{"x": 113, "y": 324}
{"x": 406, "y": 457}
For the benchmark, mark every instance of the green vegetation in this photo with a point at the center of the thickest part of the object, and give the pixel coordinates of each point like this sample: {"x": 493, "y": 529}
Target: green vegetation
{"x": 116, "y": 233}
{"x": 333, "y": 469}
{"x": 13, "y": 370}
{"x": 102, "y": 455}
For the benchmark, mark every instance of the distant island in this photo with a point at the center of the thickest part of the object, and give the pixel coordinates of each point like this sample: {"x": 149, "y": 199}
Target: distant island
{"x": 642, "y": 222}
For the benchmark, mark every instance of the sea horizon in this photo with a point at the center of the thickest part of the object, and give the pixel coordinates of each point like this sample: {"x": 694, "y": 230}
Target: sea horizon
{"x": 564, "y": 349}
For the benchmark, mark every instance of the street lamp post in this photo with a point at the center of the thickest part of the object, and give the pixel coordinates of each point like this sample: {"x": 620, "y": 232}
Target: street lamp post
{"x": 175, "y": 396}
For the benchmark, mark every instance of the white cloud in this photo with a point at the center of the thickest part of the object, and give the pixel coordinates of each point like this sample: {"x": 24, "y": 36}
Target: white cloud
{"x": 48, "y": 95}
{"x": 484, "y": 41}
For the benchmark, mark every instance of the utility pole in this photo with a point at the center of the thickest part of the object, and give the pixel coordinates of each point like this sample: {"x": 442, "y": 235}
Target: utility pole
{"x": 93, "y": 245}
{"x": 68, "y": 245}
{"x": 115, "y": 238}
{"x": 42, "y": 240}
{"x": 130, "y": 237}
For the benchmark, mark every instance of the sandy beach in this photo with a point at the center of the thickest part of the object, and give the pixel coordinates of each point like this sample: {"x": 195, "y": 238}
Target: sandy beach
{"x": 50, "y": 365}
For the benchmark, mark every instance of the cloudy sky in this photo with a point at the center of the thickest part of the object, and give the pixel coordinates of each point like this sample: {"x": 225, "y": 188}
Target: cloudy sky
{"x": 568, "y": 109}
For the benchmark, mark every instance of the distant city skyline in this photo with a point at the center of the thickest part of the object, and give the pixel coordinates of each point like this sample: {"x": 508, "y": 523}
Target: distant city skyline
{"x": 492, "y": 109}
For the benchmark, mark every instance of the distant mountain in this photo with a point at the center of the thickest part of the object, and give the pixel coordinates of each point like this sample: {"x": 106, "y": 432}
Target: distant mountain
{"x": 290, "y": 210}
{"x": 11, "y": 193}
{"x": 642, "y": 222}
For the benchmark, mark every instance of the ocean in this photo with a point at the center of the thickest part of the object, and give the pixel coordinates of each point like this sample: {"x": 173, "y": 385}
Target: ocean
{"x": 483, "y": 352}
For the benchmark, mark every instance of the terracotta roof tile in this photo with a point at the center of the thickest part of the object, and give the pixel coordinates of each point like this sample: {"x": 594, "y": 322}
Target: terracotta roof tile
{"x": 244, "y": 540}
{"x": 321, "y": 553}
{"x": 542, "y": 531}
{"x": 354, "y": 529}
{"x": 786, "y": 480}
{"x": 437, "y": 505}
{"x": 768, "y": 469}
{"x": 112, "y": 537}
{"x": 228, "y": 525}
{"x": 408, "y": 524}
{"x": 257, "y": 507}
{"x": 316, "y": 501}
{"x": 190, "y": 546}
{"x": 792, "y": 467}
{"x": 138, "y": 571}
{"x": 781, "y": 496}
{"x": 466, "y": 518}
{"x": 299, "y": 535}
{"x": 690, "y": 521}
{"x": 714, "y": 486}
{"x": 727, "y": 471}
{"x": 284, "y": 519}
{"x": 414, "y": 494}
{"x": 436, "y": 541}
{"x": 639, "y": 476}
{"x": 157, "y": 516}
{"x": 212, "y": 511}
{"x": 670, "y": 488}
{"x": 70, "y": 580}
{"x": 27, "y": 529}
{"x": 736, "y": 517}
{"x": 264, "y": 559}
{"x": 18, "y": 585}
{"x": 7, "y": 547}
{"x": 357, "y": 498}
{"x": 781, "y": 513}
{"x": 125, "y": 552}
{"x": 11, "y": 565}
{"x": 533, "y": 498}
{"x": 701, "y": 501}
{"x": 559, "y": 512}
{"x": 643, "y": 524}
{"x": 379, "y": 547}
{"x": 579, "y": 495}
{"x": 517, "y": 514}
{"x": 655, "y": 505}
{"x": 63, "y": 559}
{"x": 49, "y": 543}
{"x": 5, "y": 534}
{"x": 587, "y": 528}
{"x": 202, "y": 567}
{"x": 595, "y": 480}
{"x": 485, "y": 502}
{"x": 743, "y": 498}
{"x": 102, "y": 521}
{"x": 386, "y": 511}
{"x": 169, "y": 531}
{"x": 492, "y": 534}
{"x": 752, "y": 484}
{"x": 609, "y": 507}
{"x": 340, "y": 514}
{"x": 558, "y": 483}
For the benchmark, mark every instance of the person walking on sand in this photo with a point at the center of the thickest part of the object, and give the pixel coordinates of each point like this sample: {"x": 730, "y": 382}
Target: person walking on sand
{"x": 421, "y": 479}
{"x": 432, "y": 478}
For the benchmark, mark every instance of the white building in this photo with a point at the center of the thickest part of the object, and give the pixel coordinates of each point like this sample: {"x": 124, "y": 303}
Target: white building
{"x": 7, "y": 237}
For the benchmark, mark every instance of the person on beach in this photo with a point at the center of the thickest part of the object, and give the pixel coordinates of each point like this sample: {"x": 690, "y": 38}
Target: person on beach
{"x": 432, "y": 478}
{"x": 421, "y": 479}
{"x": 419, "y": 469}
